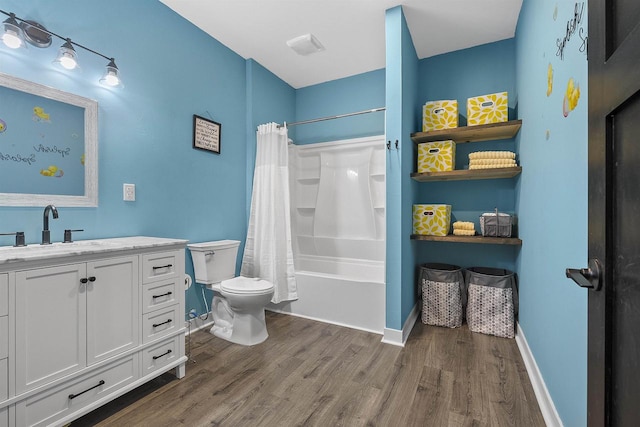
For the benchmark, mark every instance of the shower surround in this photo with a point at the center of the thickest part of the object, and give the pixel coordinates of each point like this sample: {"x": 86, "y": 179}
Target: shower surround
{"x": 338, "y": 232}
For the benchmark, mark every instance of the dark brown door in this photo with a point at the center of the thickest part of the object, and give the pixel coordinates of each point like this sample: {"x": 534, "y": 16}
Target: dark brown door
{"x": 613, "y": 397}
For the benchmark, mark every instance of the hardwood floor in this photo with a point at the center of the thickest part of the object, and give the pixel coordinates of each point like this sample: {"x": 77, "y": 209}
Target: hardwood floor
{"x": 314, "y": 374}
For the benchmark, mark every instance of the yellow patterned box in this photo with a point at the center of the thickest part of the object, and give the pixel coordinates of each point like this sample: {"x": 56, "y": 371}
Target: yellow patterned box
{"x": 438, "y": 115}
{"x": 485, "y": 109}
{"x": 436, "y": 156}
{"x": 431, "y": 220}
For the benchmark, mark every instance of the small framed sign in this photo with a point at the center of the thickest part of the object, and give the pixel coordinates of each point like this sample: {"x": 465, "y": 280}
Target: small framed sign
{"x": 206, "y": 134}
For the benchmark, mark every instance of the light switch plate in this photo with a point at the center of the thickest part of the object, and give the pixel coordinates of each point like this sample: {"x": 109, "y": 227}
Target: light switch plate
{"x": 129, "y": 192}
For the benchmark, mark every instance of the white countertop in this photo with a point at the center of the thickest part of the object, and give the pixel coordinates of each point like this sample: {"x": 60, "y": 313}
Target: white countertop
{"x": 36, "y": 252}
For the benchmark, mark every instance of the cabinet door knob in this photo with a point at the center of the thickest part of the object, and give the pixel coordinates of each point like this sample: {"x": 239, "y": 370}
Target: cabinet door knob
{"x": 84, "y": 280}
{"x": 92, "y": 279}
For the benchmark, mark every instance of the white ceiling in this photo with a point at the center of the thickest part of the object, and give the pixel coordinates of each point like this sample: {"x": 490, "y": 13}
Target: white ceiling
{"x": 352, "y": 31}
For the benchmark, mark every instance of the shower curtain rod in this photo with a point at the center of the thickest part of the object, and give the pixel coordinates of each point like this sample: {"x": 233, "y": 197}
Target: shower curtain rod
{"x": 339, "y": 116}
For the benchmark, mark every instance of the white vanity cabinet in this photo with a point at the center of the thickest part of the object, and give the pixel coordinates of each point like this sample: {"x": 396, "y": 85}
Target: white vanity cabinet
{"x": 72, "y": 316}
{"x": 84, "y": 323}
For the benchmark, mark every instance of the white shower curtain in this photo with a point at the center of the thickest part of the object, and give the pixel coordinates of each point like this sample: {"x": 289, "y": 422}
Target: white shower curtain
{"x": 268, "y": 253}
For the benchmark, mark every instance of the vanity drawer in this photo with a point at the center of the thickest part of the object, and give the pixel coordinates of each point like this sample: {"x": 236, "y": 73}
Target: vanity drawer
{"x": 4, "y": 294}
{"x": 158, "y": 356}
{"x": 157, "y": 295}
{"x": 58, "y": 402}
{"x": 160, "y": 323}
{"x": 159, "y": 266}
{"x": 4, "y": 382}
{"x": 4, "y": 337}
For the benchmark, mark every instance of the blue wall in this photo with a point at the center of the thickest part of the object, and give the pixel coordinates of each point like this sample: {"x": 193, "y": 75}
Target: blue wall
{"x": 552, "y": 202}
{"x": 459, "y": 75}
{"x": 358, "y": 93}
{"x": 402, "y": 116}
{"x": 145, "y": 129}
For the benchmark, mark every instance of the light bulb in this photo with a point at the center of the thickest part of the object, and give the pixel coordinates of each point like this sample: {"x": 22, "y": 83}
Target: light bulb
{"x": 68, "y": 61}
{"x": 111, "y": 76}
{"x": 12, "y": 35}
{"x": 111, "y": 80}
{"x": 11, "y": 39}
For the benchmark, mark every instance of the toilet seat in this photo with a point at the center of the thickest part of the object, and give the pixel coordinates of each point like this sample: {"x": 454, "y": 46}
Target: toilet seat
{"x": 246, "y": 285}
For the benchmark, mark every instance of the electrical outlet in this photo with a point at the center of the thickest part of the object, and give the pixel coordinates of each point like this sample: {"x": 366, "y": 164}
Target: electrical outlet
{"x": 129, "y": 192}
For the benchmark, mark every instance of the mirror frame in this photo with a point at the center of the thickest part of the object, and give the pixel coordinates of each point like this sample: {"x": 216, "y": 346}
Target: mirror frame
{"x": 90, "y": 197}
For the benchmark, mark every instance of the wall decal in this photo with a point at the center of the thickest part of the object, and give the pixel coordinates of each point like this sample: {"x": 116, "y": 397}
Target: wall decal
{"x": 573, "y": 25}
{"x": 549, "y": 79}
{"x": 40, "y": 116}
{"x": 571, "y": 97}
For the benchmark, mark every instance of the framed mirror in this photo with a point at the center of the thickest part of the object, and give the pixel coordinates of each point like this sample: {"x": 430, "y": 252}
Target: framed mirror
{"x": 48, "y": 146}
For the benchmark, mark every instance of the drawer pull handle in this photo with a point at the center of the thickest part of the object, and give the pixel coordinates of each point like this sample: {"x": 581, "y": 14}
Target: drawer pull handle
{"x": 155, "y": 325}
{"x": 73, "y": 396}
{"x": 161, "y": 295}
{"x": 158, "y": 267}
{"x": 163, "y": 354}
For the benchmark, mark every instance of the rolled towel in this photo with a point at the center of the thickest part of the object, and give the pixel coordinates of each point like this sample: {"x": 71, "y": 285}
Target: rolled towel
{"x": 459, "y": 232}
{"x": 492, "y": 155}
{"x": 463, "y": 225}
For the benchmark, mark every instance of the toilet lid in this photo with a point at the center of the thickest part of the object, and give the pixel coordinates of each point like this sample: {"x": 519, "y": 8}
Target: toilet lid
{"x": 246, "y": 285}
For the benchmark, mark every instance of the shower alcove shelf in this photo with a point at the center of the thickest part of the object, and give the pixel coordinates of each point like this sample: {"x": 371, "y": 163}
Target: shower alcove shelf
{"x": 489, "y": 132}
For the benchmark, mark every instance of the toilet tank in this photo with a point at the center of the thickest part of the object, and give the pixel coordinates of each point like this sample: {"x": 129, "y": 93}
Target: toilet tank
{"x": 214, "y": 261}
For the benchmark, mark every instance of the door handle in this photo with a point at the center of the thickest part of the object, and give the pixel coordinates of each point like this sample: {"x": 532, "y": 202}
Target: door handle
{"x": 590, "y": 277}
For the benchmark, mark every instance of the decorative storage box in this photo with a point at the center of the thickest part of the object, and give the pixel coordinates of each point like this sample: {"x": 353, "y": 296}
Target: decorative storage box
{"x": 431, "y": 220}
{"x": 436, "y": 156}
{"x": 491, "y": 108}
{"x": 438, "y": 115}
{"x": 496, "y": 224}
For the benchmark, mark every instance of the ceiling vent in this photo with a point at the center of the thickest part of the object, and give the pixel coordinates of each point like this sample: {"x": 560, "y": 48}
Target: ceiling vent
{"x": 305, "y": 45}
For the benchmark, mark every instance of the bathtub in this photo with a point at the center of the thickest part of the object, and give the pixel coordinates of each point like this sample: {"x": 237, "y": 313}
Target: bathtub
{"x": 341, "y": 291}
{"x": 338, "y": 232}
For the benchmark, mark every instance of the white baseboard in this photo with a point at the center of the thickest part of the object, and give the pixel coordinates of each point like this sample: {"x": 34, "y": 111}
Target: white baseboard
{"x": 399, "y": 337}
{"x": 548, "y": 409}
{"x": 198, "y": 323}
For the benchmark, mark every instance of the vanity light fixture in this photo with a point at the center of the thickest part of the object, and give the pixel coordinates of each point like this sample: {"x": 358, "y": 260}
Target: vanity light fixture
{"x": 67, "y": 56}
{"x": 12, "y": 33}
{"x": 17, "y": 32}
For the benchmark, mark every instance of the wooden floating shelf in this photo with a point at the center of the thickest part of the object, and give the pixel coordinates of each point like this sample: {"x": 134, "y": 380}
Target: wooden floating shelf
{"x": 490, "y": 132}
{"x": 464, "y": 174}
{"x": 514, "y": 241}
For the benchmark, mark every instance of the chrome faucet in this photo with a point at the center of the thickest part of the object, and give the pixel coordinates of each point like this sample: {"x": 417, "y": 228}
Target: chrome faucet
{"x": 46, "y": 234}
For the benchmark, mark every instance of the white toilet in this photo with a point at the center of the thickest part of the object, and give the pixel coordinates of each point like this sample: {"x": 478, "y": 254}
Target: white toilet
{"x": 238, "y": 302}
